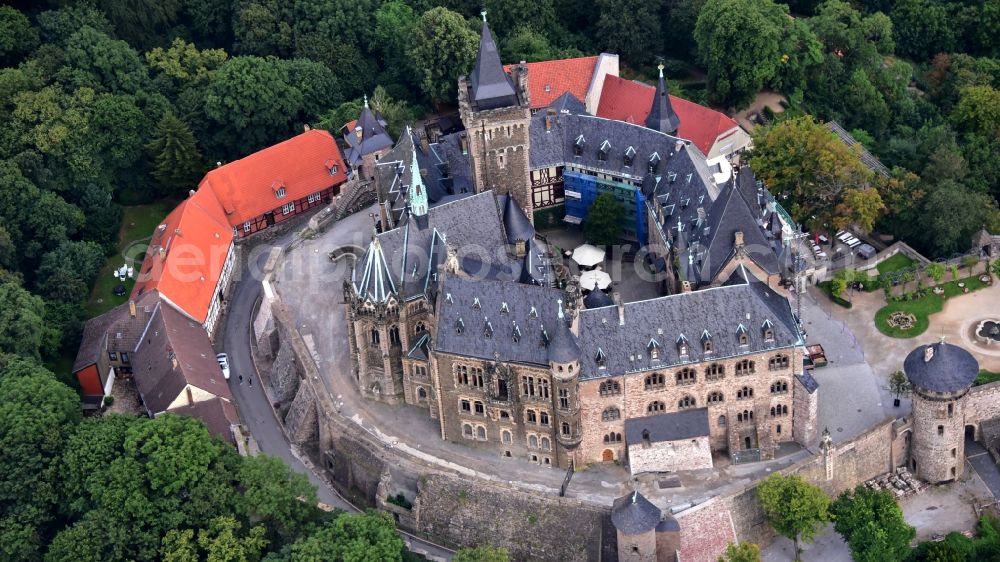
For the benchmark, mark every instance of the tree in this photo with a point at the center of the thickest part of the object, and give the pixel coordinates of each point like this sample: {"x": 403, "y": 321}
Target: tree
{"x": 177, "y": 164}
{"x": 978, "y": 111}
{"x": 630, "y": 28}
{"x": 741, "y": 552}
{"x": 739, "y": 63}
{"x": 604, "y": 220}
{"x": 184, "y": 64}
{"x": 395, "y": 24}
{"x": 837, "y": 286}
{"x": 899, "y": 384}
{"x": 22, "y": 326}
{"x": 872, "y": 524}
{"x": 936, "y": 271}
{"x": 441, "y": 46}
{"x": 17, "y": 36}
{"x": 922, "y": 28}
{"x": 221, "y": 541}
{"x": 142, "y": 22}
{"x": 103, "y": 63}
{"x": 996, "y": 268}
{"x": 484, "y": 553}
{"x": 274, "y": 494}
{"x": 67, "y": 272}
{"x": 952, "y": 214}
{"x": 823, "y": 179}
{"x": 263, "y": 27}
{"x": 794, "y": 507}
{"x": 528, "y": 45}
{"x": 363, "y": 537}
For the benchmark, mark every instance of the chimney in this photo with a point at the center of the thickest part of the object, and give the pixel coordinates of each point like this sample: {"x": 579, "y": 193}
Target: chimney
{"x": 163, "y": 253}
{"x": 928, "y": 353}
{"x": 358, "y": 132}
{"x": 685, "y": 286}
{"x": 678, "y": 145}
{"x": 173, "y": 361}
{"x": 131, "y": 308}
{"x": 177, "y": 231}
{"x": 191, "y": 193}
{"x": 190, "y": 396}
{"x": 617, "y": 297}
{"x": 306, "y": 128}
{"x": 738, "y": 243}
{"x": 424, "y": 145}
{"x": 549, "y": 114}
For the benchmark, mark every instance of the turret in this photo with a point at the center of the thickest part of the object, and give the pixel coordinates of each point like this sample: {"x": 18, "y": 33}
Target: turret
{"x": 662, "y": 116}
{"x": 635, "y": 519}
{"x": 564, "y": 353}
{"x": 418, "y": 191}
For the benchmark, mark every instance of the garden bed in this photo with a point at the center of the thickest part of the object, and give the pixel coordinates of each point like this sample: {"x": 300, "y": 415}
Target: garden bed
{"x": 986, "y": 377}
{"x": 921, "y": 307}
{"x": 825, "y": 286}
{"x": 894, "y": 263}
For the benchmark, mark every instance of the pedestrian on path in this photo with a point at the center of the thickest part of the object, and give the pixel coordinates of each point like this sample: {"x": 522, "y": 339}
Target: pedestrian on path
{"x": 241, "y": 379}
{"x": 250, "y": 381}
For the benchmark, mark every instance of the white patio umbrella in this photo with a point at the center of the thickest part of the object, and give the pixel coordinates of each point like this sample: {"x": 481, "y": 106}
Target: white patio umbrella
{"x": 595, "y": 276}
{"x": 588, "y": 255}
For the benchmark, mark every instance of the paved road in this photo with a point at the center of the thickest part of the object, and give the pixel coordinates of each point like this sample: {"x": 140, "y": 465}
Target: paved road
{"x": 981, "y": 460}
{"x": 257, "y": 414}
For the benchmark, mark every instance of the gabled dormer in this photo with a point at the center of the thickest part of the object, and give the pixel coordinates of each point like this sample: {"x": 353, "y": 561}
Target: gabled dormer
{"x": 601, "y": 359}
{"x": 742, "y": 337}
{"x": 629, "y": 156}
{"x": 654, "y": 162}
{"x": 578, "y": 145}
{"x": 683, "y": 346}
{"x": 487, "y": 328}
{"x": 706, "y": 342}
{"x": 653, "y": 347}
{"x": 278, "y": 187}
{"x": 602, "y": 152}
{"x": 767, "y": 330}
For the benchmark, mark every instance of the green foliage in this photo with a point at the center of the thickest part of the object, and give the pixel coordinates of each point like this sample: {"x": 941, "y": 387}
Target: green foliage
{"x": 630, "y": 28}
{"x": 441, "y": 47}
{"x": 837, "y": 286}
{"x": 978, "y": 111}
{"x": 100, "y": 62}
{"x": 484, "y": 553}
{"x": 177, "y": 164}
{"x": 795, "y": 508}
{"x": 22, "y": 327}
{"x": 936, "y": 271}
{"x": 872, "y": 524}
{"x": 604, "y": 219}
{"x": 283, "y": 499}
{"x": 365, "y": 537}
{"x": 65, "y": 273}
{"x": 922, "y": 28}
{"x": 741, "y": 552}
{"x": 899, "y": 384}
{"x": 184, "y": 64}
{"x": 17, "y": 36}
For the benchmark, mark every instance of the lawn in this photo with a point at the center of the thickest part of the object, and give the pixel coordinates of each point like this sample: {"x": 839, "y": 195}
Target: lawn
{"x": 986, "y": 377}
{"x": 138, "y": 224}
{"x": 894, "y": 263}
{"x": 922, "y": 308}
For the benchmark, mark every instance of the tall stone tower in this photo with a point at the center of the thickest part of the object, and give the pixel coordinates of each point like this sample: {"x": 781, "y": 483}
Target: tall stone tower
{"x": 642, "y": 535}
{"x": 496, "y": 111}
{"x": 564, "y": 364}
{"x": 662, "y": 116}
{"x": 941, "y": 375}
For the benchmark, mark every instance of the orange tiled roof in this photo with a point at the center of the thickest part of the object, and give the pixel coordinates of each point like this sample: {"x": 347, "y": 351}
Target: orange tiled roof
{"x": 547, "y": 80}
{"x": 186, "y": 255}
{"x": 246, "y": 188}
{"x": 628, "y": 100}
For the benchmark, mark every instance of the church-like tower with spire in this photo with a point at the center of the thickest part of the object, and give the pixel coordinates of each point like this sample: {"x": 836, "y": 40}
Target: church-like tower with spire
{"x": 495, "y": 108}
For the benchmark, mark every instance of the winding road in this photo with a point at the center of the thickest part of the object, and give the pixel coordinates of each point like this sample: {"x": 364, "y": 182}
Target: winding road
{"x": 256, "y": 412}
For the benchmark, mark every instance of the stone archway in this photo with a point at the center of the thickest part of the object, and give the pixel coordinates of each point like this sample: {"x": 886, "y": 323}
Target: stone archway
{"x": 608, "y": 455}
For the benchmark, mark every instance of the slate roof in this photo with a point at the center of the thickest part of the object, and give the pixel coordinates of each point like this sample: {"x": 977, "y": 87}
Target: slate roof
{"x": 662, "y": 116}
{"x": 674, "y": 426}
{"x": 115, "y": 330}
{"x": 374, "y": 137}
{"x": 217, "y": 414}
{"x": 195, "y": 240}
{"x": 551, "y": 79}
{"x": 562, "y": 346}
{"x": 597, "y": 298}
{"x": 634, "y": 514}
{"x": 372, "y": 280}
{"x": 491, "y": 86}
{"x": 516, "y": 224}
{"x": 531, "y": 312}
{"x": 171, "y": 335}
{"x": 627, "y": 100}
{"x": 808, "y": 382}
{"x": 245, "y": 188}
{"x": 446, "y": 169}
{"x": 719, "y": 311}
{"x": 950, "y": 368}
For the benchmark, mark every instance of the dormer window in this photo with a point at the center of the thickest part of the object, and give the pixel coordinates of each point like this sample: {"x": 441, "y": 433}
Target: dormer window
{"x": 767, "y": 329}
{"x": 487, "y": 328}
{"x": 682, "y": 346}
{"x": 654, "y": 162}
{"x": 503, "y": 308}
{"x": 278, "y": 187}
{"x": 741, "y": 335}
{"x": 578, "y": 145}
{"x": 602, "y": 153}
{"x": 475, "y": 303}
{"x": 331, "y": 166}
{"x": 516, "y": 333}
{"x": 533, "y": 313}
{"x": 629, "y": 156}
{"x": 460, "y": 325}
{"x": 653, "y": 347}
{"x": 601, "y": 359}
{"x": 706, "y": 342}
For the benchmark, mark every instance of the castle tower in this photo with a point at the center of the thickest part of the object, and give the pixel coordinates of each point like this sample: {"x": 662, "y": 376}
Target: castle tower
{"x": 662, "y": 116}
{"x": 496, "y": 111}
{"x": 941, "y": 375}
{"x": 373, "y": 316}
{"x": 418, "y": 191}
{"x": 367, "y": 143}
{"x": 636, "y": 519}
{"x": 564, "y": 364}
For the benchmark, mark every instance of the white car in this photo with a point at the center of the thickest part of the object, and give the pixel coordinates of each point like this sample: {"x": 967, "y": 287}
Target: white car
{"x": 223, "y": 360}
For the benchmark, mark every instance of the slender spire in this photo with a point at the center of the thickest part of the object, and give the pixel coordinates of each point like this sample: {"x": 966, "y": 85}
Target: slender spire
{"x": 483, "y": 13}
{"x": 491, "y": 87}
{"x": 418, "y": 191}
{"x": 366, "y": 95}
{"x": 376, "y": 281}
{"x": 662, "y": 116}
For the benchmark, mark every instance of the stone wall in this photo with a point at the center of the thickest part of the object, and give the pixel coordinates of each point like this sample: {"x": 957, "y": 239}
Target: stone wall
{"x": 983, "y": 404}
{"x": 670, "y": 456}
{"x": 533, "y": 526}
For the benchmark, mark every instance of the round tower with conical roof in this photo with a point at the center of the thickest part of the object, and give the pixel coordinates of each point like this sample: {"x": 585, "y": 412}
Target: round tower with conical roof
{"x": 940, "y": 375}
{"x": 635, "y": 519}
{"x": 564, "y": 364}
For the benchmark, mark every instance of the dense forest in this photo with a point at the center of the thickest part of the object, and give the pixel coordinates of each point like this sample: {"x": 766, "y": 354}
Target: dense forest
{"x": 110, "y": 103}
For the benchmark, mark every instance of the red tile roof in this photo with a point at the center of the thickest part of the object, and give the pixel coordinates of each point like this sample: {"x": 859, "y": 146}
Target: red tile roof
{"x": 547, "y": 80}
{"x": 186, "y": 255}
{"x": 628, "y": 100}
{"x": 246, "y": 188}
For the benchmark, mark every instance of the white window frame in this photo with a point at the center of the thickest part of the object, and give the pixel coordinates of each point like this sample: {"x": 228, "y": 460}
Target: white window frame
{"x": 288, "y": 208}
{"x": 246, "y": 226}
{"x": 280, "y": 193}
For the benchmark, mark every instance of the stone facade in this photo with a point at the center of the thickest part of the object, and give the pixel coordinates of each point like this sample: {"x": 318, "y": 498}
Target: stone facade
{"x": 939, "y": 435}
{"x": 670, "y": 456}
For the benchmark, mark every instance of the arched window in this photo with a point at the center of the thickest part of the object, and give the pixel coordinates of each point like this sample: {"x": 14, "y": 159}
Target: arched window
{"x": 779, "y": 387}
{"x": 715, "y": 372}
{"x": 394, "y": 335}
{"x": 656, "y": 406}
{"x": 543, "y": 417}
{"x": 722, "y": 421}
{"x": 744, "y": 393}
{"x": 612, "y": 438}
{"x": 467, "y": 430}
{"x": 375, "y": 336}
{"x": 777, "y": 362}
{"x": 421, "y": 394}
{"x": 530, "y": 416}
{"x": 654, "y": 381}
{"x": 686, "y": 376}
{"x": 544, "y": 443}
{"x": 532, "y": 441}
{"x": 686, "y": 402}
{"x": 745, "y": 367}
{"x": 420, "y": 327}
{"x": 610, "y": 414}
{"x": 745, "y": 415}
{"x": 610, "y": 388}
{"x": 564, "y": 429}
{"x": 543, "y": 388}
{"x": 715, "y": 398}
{"x": 505, "y": 436}
{"x": 481, "y": 433}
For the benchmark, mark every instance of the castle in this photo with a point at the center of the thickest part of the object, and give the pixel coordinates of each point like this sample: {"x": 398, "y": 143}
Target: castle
{"x": 456, "y": 305}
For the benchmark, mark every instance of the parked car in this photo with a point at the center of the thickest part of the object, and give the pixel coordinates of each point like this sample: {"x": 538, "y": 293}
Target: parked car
{"x": 223, "y": 360}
